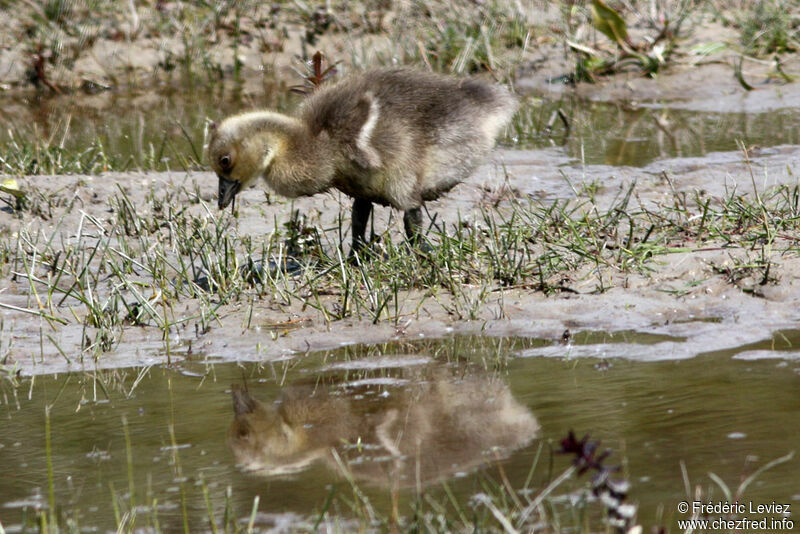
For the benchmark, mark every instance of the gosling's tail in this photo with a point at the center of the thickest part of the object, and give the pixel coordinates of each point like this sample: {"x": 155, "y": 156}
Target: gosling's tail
{"x": 496, "y": 104}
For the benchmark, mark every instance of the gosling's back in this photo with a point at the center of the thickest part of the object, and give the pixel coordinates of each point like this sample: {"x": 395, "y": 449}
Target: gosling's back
{"x": 407, "y": 136}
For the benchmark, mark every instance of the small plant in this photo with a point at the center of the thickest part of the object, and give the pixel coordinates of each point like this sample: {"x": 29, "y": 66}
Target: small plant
{"x": 611, "y": 492}
{"x": 316, "y": 73}
{"x": 648, "y": 56}
{"x": 769, "y": 29}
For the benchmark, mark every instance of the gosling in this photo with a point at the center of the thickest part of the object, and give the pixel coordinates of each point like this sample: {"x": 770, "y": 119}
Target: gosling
{"x": 395, "y": 137}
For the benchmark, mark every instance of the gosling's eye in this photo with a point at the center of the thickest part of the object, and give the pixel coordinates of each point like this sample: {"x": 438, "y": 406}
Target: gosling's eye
{"x": 225, "y": 162}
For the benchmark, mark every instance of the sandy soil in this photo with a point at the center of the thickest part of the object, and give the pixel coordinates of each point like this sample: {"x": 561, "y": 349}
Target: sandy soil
{"x": 683, "y": 296}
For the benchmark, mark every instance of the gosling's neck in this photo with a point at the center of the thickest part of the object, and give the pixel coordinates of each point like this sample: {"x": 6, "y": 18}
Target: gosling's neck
{"x": 294, "y": 161}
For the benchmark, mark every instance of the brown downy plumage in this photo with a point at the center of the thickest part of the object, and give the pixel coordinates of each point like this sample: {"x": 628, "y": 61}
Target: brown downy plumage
{"x": 397, "y": 137}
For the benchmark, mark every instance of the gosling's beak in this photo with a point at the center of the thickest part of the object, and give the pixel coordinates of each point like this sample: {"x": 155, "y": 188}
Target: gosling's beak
{"x": 243, "y": 403}
{"x": 227, "y": 191}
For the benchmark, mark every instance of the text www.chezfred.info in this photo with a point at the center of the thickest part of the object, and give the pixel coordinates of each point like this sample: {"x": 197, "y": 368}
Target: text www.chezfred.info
{"x": 700, "y": 520}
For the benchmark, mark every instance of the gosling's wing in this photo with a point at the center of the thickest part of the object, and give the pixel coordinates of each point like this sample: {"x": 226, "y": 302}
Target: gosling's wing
{"x": 348, "y": 115}
{"x": 363, "y": 149}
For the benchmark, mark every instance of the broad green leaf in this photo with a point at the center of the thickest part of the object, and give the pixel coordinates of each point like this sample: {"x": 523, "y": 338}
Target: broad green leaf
{"x": 787, "y": 78}
{"x": 610, "y": 23}
{"x": 737, "y": 72}
{"x": 706, "y": 49}
{"x": 11, "y": 187}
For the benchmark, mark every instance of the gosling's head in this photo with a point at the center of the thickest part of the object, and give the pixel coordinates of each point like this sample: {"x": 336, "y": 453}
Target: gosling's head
{"x": 262, "y": 440}
{"x": 241, "y": 148}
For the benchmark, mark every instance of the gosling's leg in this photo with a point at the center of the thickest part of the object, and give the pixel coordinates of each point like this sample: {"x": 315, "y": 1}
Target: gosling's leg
{"x": 361, "y": 212}
{"x": 412, "y": 220}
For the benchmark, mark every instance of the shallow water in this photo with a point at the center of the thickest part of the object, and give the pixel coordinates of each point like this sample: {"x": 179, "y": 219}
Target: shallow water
{"x": 617, "y": 134}
{"x": 135, "y": 130}
{"x": 149, "y": 130}
{"x": 713, "y": 414}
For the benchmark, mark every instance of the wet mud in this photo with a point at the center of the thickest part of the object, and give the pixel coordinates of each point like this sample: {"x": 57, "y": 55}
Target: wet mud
{"x": 684, "y": 294}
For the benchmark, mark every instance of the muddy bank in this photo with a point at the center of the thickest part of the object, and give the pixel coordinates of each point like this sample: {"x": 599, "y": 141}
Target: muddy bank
{"x": 688, "y": 294}
{"x": 700, "y": 76}
{"x": 149, "y": 47}
{"x": 707, "y": 87}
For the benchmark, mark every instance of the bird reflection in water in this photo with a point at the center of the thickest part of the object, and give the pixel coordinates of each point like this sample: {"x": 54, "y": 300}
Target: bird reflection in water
{"x": 427, "y": 425}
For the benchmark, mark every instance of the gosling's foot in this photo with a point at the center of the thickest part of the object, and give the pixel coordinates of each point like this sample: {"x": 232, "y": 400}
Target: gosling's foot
{"x": 255, "y": 272}
{"x": 366, "y": 253}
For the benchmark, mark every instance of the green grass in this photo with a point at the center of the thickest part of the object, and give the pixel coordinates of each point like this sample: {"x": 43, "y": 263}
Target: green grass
{"x": 768, "y": 27}
{"x": 204, "y": 44}
{"x": 25, "y": 152}
{"x": 176, "y": 261}
{"x": 496, "y": 508}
